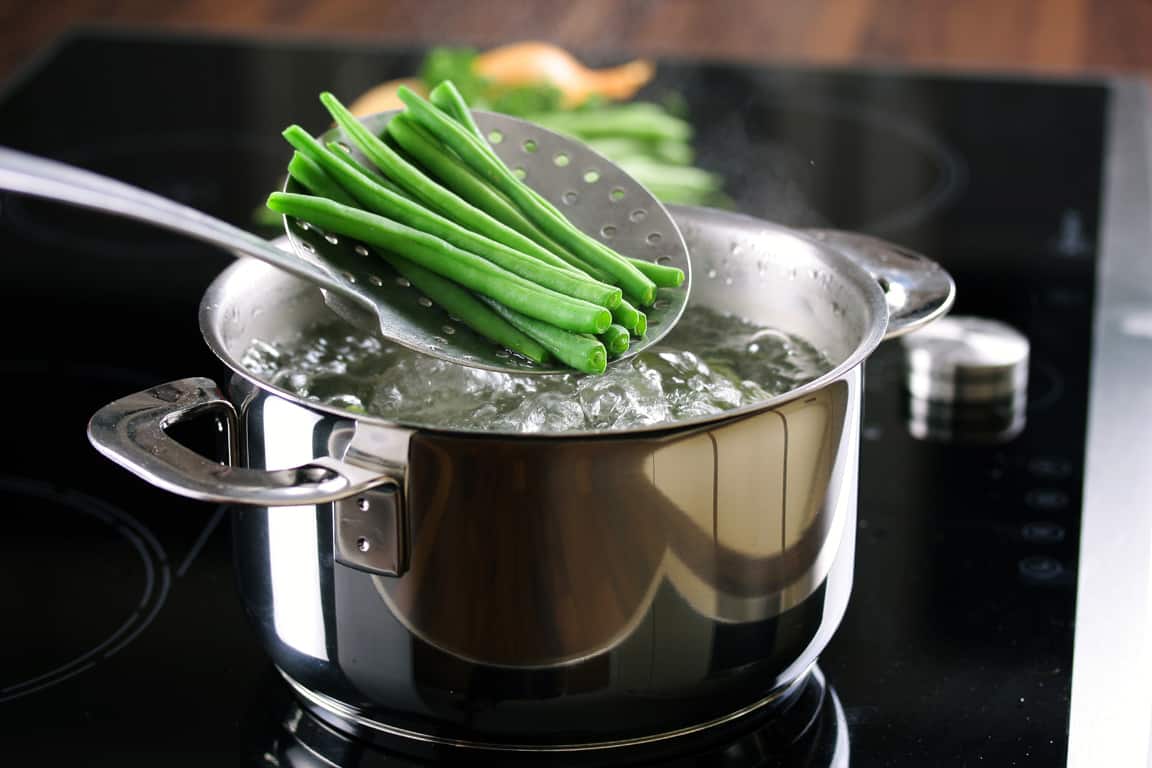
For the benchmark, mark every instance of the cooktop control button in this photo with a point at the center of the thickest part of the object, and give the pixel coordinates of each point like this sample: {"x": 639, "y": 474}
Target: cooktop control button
{"x": 966, "y": 379}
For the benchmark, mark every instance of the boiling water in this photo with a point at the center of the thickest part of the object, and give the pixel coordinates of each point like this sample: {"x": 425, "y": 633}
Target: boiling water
{"x": 709, "y": 364}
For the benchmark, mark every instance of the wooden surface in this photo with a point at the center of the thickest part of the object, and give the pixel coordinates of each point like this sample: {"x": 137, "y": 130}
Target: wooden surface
{"x": 1061, "y": 36}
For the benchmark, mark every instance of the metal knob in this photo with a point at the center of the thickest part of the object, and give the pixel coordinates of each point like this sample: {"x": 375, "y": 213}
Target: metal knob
{"x": 966, "y": 379}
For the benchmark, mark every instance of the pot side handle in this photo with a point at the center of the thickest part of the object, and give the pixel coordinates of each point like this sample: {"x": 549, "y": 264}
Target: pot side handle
{"x": 917, "y": 289}
{"x": 130, "y": 432}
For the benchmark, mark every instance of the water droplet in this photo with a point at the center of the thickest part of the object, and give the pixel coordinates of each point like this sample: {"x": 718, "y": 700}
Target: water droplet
{"x": 403, "y": 282}
{"x": 608, "y": 231}
{"x": 735, "y": 249}
{"x": 753, "y": 348}
{"x": 331, "y": 238}
{"x": 711, "y": 274}
{"x": 361, "y": 249}
{"x": 654, "y": 238}
{"x": 424, "y": 301}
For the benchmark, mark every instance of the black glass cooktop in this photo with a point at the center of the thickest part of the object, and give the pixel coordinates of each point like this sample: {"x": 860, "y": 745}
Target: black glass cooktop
{"x": 124, "y": 641}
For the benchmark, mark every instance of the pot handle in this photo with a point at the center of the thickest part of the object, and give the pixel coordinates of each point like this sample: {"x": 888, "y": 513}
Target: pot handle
{"x": 917, "y": 289}
{"x": 130, "y": 432}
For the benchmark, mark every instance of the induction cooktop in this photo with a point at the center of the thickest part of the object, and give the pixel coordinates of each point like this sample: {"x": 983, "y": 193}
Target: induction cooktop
{"x": 996, "y": 616}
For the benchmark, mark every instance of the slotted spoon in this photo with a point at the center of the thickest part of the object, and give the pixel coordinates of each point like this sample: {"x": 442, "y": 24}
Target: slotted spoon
{"x": 595, "y": 194}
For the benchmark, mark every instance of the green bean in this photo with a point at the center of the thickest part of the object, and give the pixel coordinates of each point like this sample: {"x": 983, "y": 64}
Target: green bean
{"x": 398, "y": 208}
{"x": 462, "y": 180}
{"x": 471, "y": 151}
{"x": 446, "y": 260}
{"x": 616, "y": 340}
{"x": 344, "y": 154}
{"x": 312, "y": 176}
{"x": 473, "y": 313}
{"x": 631, "y": 318}
{"x": 450, "y": 297}
{"x": 661, "y": 274}
{"x": 428, "y": 191}
{"x": 584, "y": 353}
{"x": 634, "y": 121}
{"x": 449, "y": 99}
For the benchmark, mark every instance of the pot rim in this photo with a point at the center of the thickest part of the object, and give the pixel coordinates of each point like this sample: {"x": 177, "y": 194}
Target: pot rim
{"x": 849, "y": 270}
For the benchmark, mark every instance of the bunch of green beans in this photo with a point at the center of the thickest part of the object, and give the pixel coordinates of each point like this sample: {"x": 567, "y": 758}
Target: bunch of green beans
{"x": 444, "y": 211}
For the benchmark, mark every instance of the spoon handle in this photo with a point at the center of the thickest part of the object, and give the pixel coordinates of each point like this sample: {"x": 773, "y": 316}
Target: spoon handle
{"x": 32, "y": 175}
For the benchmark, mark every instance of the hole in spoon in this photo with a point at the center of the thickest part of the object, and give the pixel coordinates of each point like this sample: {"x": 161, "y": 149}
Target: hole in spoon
{"x": 637, "y": 215}
{"x": 375, "y": 280}
{"x": 529, "y": 146}
{"x": 520, "y": 173}
{"x": 561, "y": 159}
{"x": 654, "y": 238}
{"x": 403, "y": 282}
{"x": 571, "y": 196}
{"x": 424, "y": 301}
{"x": 307, "y": 246}
{"x": 331, "y": 238}
{"x": 884, "y": 284}
{"x": 591, "y": 176}
{"x": 664, "y": 259}
{"x": 608, "y": 231}
{"x": 616, "y": 195}
{"x": 495, "y": 137}
{"x": 361, "y": 249}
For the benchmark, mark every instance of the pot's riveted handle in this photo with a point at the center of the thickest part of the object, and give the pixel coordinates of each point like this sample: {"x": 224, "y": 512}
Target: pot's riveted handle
{"x": 917, "y": 289}
{"x": 130, "y": 432}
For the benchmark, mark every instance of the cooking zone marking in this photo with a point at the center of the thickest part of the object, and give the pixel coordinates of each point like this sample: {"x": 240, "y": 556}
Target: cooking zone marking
{"x": 157, "y": 579}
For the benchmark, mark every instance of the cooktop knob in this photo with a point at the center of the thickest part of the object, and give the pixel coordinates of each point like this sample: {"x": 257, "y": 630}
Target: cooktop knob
{"x": 966, "y": 379}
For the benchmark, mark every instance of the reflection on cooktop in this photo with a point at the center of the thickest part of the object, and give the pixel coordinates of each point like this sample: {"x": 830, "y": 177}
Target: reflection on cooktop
{"x": 810, "y": 732}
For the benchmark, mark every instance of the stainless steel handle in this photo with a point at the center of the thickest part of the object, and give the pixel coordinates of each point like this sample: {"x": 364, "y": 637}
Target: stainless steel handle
{"x": 917, "y": 289}
{"x": 31, "y": 175}
{"x": 130, "y": 432}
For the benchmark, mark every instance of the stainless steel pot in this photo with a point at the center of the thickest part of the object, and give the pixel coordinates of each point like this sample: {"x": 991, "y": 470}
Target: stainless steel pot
{"x": 575, "y": 591}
